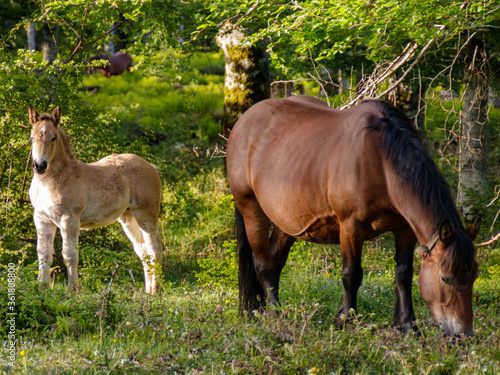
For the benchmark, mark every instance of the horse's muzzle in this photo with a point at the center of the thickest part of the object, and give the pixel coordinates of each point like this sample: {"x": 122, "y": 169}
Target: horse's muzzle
{"x": 40, "y": 168}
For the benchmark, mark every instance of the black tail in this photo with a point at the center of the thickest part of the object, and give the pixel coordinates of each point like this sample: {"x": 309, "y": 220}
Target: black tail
{"x": 249, "y": 287}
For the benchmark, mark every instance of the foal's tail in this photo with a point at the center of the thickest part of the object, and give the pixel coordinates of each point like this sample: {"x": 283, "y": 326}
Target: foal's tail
{"x": 249, "y": 286}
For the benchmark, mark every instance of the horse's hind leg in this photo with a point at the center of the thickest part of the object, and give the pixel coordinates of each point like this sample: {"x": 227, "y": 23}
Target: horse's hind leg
{"x": 134, "y": 233}
{"x": 145, "y": 237}
{"x": 403, "y": 308}
{"x": 154, "y": 248}
{"x": 257, "y": 258}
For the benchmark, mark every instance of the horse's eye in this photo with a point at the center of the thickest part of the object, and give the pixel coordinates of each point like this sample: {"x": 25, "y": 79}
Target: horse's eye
{"x": 448, "y": 280}
{"x": 53, "y": 139}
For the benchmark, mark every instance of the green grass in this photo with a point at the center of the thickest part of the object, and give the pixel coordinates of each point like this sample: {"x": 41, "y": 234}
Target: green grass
{"x": 194, "y": 327}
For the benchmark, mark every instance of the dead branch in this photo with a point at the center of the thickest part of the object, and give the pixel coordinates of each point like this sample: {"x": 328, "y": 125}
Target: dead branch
{"x": 376, "y": 80}
{"x": 492, "y": 240}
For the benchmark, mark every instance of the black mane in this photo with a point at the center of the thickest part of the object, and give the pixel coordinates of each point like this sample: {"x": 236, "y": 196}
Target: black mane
{"x": 414, "y": 165}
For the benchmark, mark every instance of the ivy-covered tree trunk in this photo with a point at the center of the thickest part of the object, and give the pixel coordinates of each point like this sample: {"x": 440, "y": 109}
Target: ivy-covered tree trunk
{"x": 247, "y": 74}
{"x": 474, "y": 170}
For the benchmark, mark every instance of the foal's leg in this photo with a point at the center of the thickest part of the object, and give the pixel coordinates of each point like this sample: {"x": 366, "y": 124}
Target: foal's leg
{"x": 148, "y": 222}
{"x": 141, "y": 240}
{"x": 45, "y": 233}
{"x": 70, "y": 230}
{"x": 351, "y": 245}
{"x": 403, "y": 308}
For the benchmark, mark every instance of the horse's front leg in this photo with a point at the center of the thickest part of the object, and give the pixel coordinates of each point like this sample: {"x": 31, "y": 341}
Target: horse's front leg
{"x": 351, "y": 245}
{"x": 45, "y": 233}
{"x": 403, "y": 308}
{"x": 70, "y": 230}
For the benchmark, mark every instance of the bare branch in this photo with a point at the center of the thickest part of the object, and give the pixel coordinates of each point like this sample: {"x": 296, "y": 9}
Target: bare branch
{"x": 493, "y": 239}
{"x": 370, "y": 88}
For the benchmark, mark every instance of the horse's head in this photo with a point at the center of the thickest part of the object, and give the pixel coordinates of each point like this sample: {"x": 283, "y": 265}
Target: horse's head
{"x": 448, "y": 272}
{"x": 43, "y": 137}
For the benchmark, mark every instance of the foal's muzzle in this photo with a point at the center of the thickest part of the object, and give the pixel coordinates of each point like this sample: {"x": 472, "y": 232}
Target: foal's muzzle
{"x": 40, "y": 168}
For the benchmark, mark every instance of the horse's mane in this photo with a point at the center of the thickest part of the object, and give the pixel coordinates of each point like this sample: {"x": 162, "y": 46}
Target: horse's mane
{"x": 414, "y": 166}
{"x": 62, "y": 134}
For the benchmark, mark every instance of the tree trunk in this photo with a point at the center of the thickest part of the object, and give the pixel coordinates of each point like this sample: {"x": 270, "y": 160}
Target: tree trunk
{"x": 49, "y": 49}
{"x": 247, "y": 75}
{"x": 30, "y": 31}
{"x": 474, "y": 170}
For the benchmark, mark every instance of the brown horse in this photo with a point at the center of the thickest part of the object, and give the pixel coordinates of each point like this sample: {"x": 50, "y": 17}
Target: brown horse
{"x": 345, "y": 176}
{"x": 69, "y": 194}
{"x": 117, "y": 64}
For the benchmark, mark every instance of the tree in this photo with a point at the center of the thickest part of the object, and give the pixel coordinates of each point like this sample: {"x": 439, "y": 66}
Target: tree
{"x": 474, "y": 170}
{"x": 76, "y": 30}
{"x": 418, "y": 42}
{"x": 246, "y": 79}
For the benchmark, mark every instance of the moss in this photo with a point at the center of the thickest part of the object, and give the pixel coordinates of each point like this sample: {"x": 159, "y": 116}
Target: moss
{"x": 247, "y": 68}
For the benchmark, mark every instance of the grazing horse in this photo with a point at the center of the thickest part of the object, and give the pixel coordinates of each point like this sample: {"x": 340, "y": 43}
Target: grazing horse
{"x": 118, "y": 63}
{"x": 69, "y": 194}
{"x": 343, "y": 177}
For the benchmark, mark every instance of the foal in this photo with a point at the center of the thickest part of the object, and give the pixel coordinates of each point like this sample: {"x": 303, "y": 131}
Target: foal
{"x": 71, "y": 195}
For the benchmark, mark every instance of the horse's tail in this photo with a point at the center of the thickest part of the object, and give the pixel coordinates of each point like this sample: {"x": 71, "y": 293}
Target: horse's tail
{"x": 249, "y": 286}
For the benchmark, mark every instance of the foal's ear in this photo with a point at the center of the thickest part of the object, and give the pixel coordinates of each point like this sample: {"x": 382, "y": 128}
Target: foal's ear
{"x": 57, "y": 115}
{"x": 473, "y": 230}
{"x": 33, "y": 116}
{"x": 445, "y": 233}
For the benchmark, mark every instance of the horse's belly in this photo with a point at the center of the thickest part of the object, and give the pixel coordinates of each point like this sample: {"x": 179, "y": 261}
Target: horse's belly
{"x": 91, "y": 223}
{"x": 102, "y": 215}
{"x": 322, "y": 229}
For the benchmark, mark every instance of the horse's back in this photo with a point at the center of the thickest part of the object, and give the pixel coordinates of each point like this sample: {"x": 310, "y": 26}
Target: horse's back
{"x": 308, "y": 165}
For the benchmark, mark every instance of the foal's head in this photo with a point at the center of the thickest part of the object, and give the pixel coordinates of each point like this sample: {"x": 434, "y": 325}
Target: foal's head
{"x": 43, "y": 137}
{"x": 447, "y": 276}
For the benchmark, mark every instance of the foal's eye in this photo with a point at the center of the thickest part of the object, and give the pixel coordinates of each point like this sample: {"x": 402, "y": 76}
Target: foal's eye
{"x": 53, "y": 139}
{"x": 447, "y": 279}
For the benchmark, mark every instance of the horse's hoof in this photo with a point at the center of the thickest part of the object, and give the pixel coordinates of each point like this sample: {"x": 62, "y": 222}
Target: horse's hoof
{"x": 342, "y": 318}
{"x": 408, "y": 328}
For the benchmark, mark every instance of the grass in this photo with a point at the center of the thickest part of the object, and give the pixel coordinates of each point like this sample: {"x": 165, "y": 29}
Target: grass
{"x": 192, "y": 326}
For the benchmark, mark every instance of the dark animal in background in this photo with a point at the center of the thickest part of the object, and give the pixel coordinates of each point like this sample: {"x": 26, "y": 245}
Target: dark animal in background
{"x": 343, "y": 177}
{"x": 117, "y": 64}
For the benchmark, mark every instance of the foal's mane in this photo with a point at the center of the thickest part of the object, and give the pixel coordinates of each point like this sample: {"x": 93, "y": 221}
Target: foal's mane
{"x": 61, "y": 132}
{"x": 414, "y": 166}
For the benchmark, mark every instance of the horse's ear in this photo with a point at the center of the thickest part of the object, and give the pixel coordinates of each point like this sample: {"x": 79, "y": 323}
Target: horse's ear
{"x": 33, "y": 116}
{"x": 57, "y": 115}
{"x": 445, "y": 233}
{"x": 473, "y": 230}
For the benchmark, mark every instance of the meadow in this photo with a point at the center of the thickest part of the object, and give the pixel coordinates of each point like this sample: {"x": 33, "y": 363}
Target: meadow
{"x": 192, "y": 326}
